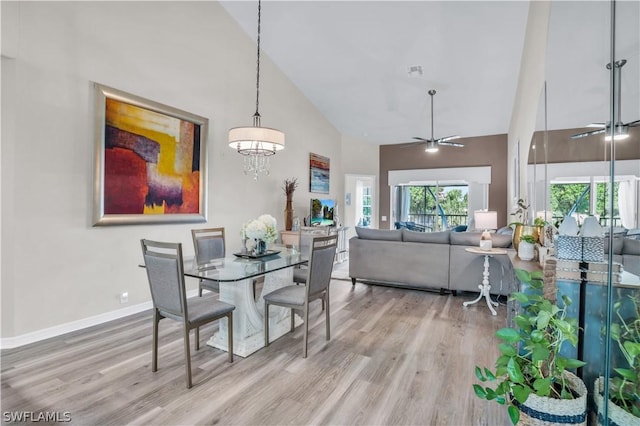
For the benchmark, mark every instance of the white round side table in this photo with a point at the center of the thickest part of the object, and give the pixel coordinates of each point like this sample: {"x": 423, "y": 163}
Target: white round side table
{"x": 485, "y": 286}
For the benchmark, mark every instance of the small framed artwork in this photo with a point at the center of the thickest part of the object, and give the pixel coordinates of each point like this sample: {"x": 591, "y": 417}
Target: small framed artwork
{"x": 318, "y": 173}
{"x": 150, "y": 161}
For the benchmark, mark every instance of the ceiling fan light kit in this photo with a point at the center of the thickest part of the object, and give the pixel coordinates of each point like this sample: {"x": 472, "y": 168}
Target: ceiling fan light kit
{"x": 620, "y": 133}
{"x": 433, "y": 144}
{"x": 620, "y": 129}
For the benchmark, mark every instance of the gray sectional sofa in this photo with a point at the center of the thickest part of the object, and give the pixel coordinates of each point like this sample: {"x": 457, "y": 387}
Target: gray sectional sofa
{"x": 627, "y": 252}
{"x": 433, "y": 260}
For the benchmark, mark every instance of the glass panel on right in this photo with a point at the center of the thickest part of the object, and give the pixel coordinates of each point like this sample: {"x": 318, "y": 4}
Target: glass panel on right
{"x": 593, "y": 96}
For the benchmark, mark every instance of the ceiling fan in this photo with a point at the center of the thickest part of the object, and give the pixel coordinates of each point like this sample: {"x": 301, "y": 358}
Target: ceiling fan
{"x": 620, "y": 129}
{"x": 433, "y": 144}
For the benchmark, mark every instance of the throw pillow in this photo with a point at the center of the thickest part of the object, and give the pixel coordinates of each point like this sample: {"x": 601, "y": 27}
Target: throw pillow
{"x": 425, "y": 237}
{"x": 379, "y": 234}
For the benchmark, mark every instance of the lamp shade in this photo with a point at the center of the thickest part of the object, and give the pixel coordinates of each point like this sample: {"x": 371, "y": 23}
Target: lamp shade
{"x": 485, "y": 219}
{"x": 256, "y": 139}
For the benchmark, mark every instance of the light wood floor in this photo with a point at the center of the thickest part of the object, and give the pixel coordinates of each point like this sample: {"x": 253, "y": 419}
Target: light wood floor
{"x": 396, "y": 357}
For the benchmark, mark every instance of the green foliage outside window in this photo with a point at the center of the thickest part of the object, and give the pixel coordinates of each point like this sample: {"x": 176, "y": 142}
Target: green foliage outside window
{"x": 564, "y": 196}
{"x": 452, "y": 199}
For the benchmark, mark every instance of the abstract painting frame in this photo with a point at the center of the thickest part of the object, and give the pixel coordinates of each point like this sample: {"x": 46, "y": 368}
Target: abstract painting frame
{"x": 319, "y": 173}
{"x": 150, "y": 161}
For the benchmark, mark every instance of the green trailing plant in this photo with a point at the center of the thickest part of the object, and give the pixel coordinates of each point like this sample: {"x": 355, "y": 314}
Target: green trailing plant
{"x": 538, "y": 221}
{"x": 530, "y": 360}
{"x": 528, "y": 238}
{"x": 625, "y": 388}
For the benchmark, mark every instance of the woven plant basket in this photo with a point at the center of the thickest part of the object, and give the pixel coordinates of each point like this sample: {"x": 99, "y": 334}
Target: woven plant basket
{"x": 617, "y": 416}
{"x": 538, "y": 410}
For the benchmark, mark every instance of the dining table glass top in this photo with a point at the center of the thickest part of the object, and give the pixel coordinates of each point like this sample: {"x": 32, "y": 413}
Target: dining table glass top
{"x": 235, "y": 268}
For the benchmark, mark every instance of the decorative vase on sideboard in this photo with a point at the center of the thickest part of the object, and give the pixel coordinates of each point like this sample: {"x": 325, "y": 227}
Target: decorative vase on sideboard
{"x": 288, "y": 215}
{"x": 526, "y": 251}
{"x": 521, "y": 229}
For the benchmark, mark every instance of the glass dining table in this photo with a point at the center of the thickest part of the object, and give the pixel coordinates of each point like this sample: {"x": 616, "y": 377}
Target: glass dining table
{"x": 235, "y": 275}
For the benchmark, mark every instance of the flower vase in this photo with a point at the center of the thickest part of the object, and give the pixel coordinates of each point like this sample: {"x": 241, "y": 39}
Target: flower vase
{"x": 288, "y": 214}
{"x": 260, "y": 247}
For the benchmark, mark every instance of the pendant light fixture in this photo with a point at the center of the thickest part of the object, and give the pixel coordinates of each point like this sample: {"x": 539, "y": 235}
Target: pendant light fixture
{"x": 256, "y": 143}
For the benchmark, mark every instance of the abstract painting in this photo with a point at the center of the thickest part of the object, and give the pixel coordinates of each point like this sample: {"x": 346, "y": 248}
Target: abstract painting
{"x": 318, "y": 173}
{"x": 150, "y": 161}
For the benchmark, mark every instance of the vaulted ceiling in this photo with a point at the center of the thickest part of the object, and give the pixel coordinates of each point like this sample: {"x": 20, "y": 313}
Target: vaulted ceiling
{"x": 352, "y": 60}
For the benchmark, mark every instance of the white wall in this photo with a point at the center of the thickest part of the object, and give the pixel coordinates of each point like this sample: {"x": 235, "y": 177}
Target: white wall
{"x": 56, "y": 268}
{"x": 530, "y": 84}
{"x": 359, "y": 159}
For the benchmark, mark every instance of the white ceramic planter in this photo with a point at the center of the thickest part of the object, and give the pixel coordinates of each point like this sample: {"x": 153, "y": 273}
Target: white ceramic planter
{"x": 525, "y": 250}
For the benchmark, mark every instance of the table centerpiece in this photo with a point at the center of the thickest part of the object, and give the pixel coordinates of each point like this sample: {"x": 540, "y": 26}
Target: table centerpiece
{"x": 262, "y": 231}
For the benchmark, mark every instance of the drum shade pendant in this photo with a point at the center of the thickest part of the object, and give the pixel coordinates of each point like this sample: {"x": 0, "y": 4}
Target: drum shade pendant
{"x": 256, "y": 143}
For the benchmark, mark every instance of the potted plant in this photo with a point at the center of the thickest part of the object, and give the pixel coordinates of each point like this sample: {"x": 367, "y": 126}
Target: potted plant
{"x": 521, "y": 226}
{"x": 624, "y": 388}
{"x": 526, "y": 247}
{"x": 531, "y": 376}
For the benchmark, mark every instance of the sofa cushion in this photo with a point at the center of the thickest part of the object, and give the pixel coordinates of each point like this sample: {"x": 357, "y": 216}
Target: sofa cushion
{"x": 631, "y": 246}
{"x": 465, "y": 238}
{"x": 473, "y": 239}
{"x": 425, "y": 237}
{"x": 379, "y": 234}
{"x": 617, "y": 245}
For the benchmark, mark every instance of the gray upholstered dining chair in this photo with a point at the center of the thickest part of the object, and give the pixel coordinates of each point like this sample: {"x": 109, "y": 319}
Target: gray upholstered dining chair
{"x": 297, "y": 297}
{"x": 300, "y": 273}
{"x": 163, "y": 262}
{"x": 209, "y": 244}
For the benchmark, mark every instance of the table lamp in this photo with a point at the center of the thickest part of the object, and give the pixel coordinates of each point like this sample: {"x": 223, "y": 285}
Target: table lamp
{"x": 485, "y": 220}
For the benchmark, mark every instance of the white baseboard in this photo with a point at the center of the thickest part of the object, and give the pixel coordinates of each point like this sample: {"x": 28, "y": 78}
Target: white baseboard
{"x": 58, "y": 330}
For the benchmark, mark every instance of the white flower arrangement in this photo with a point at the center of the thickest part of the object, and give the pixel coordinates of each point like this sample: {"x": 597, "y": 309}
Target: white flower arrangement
{"x": 263, "y": 228}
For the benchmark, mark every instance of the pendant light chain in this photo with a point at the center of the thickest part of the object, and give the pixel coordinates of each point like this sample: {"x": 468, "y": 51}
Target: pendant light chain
{"x": 256, "y": 143}
{"x": 256, "y": 116}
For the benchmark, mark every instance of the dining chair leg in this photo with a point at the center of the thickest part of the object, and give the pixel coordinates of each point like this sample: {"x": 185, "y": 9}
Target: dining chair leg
{"x": 230, "y": 335}
{"x": 154, "y": 349}
{"x": 197, "y": 342}
{"x": 327, "y": 315}
{"x": 306, "y": 329}
{"x": 293, "y": 320}
{"x": 187, "y": 355}
{"x": 266, "y": 323}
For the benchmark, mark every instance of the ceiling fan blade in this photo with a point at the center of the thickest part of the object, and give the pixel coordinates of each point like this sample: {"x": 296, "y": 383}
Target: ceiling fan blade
{"x": 585, "y": 134}
{"x": 459, "y": 145}
{"x": 448, "y": 138}
{"x": 599, "y": 125}
{"x": 633, "y": 123}
{"x": 421, "y": 139}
